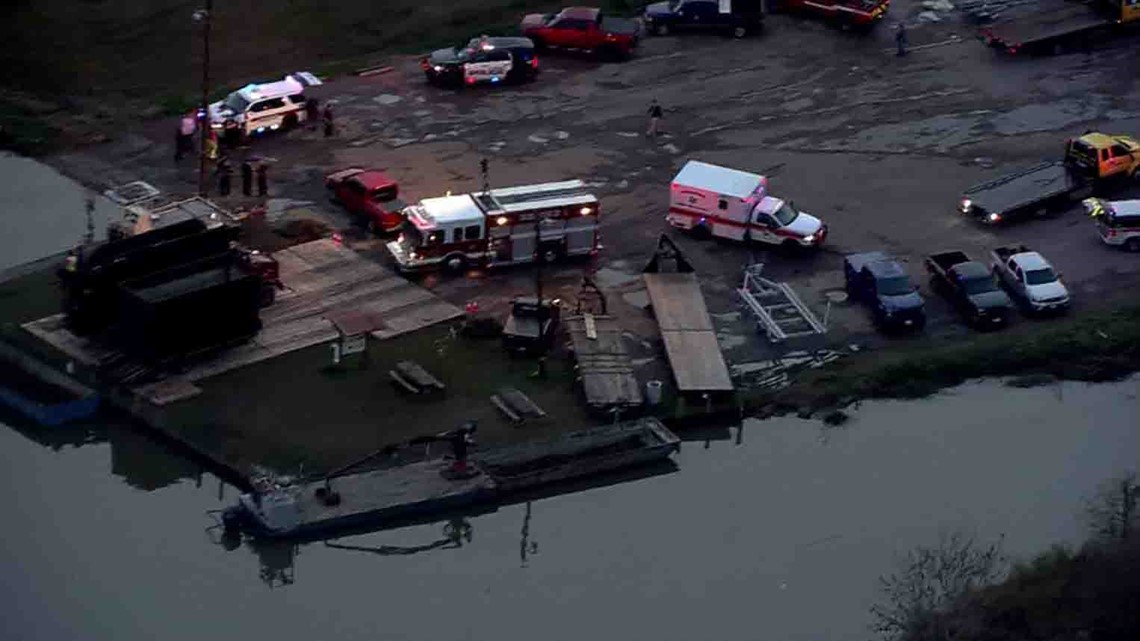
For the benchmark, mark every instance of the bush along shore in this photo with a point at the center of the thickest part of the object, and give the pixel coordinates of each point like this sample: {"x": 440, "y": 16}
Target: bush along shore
{"x": 1095, "y": 347}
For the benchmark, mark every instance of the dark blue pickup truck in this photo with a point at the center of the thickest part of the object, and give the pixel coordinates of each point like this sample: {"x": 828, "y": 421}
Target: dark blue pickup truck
{"x": 736, "y": 17}
{"x": 880, "y": 282}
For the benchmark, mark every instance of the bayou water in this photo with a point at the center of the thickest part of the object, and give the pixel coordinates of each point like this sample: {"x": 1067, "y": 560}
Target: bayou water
{"x": 777, "y": 530}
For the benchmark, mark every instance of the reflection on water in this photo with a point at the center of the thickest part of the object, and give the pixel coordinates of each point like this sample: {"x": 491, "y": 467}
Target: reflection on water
{"x": 778, "y": 530}
{"x": 42, "y": 212}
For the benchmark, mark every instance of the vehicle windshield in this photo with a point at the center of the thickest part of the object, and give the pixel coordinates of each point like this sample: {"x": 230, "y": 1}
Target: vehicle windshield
{"x": 895, "y": 286}
{"x": 674, "y": 4}
{"x": 410, "y": 238}
{"x": 979, "y": 285}
{"x": 785, "y": 215}
{"x": 383, "y": 194}
{"x": 1039, "y": 276}
{"x": 235, "y": 103}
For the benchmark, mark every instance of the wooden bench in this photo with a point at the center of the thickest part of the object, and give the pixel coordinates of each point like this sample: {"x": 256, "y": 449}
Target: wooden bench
{"x": 412, "y": 377}
{"x": 515, "y": 405}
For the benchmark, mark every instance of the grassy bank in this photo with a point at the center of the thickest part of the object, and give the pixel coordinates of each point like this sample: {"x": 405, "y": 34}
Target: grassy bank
{"x": 120, "y": 59}
{"x": 1094, "y": 346}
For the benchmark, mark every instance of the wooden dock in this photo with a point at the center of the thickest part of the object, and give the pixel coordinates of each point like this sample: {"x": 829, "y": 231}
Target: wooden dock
{"x": 686, "y": 327}
{"x": 604, "y": 365}
{"x": 321, "y": 278}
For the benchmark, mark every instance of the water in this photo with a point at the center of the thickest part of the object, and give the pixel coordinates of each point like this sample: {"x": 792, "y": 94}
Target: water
{"x": 42, "y": 212}
{"x": 781, "y": 536}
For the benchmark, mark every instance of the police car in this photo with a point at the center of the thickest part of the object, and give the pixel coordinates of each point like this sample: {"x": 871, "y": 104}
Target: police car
{"x": 483, "y": 60}
{"x": 262, "y": 107}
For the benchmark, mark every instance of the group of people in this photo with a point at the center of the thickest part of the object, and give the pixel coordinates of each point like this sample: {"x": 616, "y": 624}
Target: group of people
{"x": 232, "y": 140}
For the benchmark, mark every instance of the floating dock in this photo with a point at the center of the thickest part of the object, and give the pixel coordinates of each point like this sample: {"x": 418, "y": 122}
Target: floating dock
{"x": 605, "y": 369}
{"x": 320, "y": 278}
{"x": 375, "y": 497}
{"x": 686, "y": 327}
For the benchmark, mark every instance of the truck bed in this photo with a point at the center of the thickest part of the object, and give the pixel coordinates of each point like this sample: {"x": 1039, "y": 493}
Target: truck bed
{"x": 1023, "y": 189}
{"x": 1002, "y": 254}
{"x": 940, "y": 263}
{"x": 1043, "y": 21}
{"x": 620, "y": 26}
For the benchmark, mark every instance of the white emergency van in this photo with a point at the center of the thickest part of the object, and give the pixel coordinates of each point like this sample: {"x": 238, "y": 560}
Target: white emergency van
{"x": 709, "y": 200}
{"x": 262, "y": 107}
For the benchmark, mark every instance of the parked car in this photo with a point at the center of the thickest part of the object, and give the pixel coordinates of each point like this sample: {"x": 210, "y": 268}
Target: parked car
{"x": 258, "y": 108}
{"x": 1118, "y": 221}
{"x": 880, "y": 282}
{"x": 1030, "y": 278}
{"x": 736, "y": 17}
{"x": 485, "y": 59}
{"x": 970, "y": 286}
{"x": 369, "y": 195}
{"x": 583, "y": 29}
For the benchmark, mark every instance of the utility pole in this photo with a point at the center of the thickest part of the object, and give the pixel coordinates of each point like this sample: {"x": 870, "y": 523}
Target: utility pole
{"x": 205, "y": 16}
{"x": 89, "y": 205}
{"x": 483, "y": 167}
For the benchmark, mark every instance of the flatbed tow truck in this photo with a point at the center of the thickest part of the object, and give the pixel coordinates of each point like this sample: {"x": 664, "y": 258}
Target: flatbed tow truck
{"x": 1050, "y": 25}
{"x": 1093, "y": 163}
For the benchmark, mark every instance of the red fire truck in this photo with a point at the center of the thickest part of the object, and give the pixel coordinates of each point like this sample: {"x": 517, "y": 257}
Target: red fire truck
{"x": 499, "y": 227}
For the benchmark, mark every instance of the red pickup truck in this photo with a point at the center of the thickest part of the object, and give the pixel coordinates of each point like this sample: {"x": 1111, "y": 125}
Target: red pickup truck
{"x": 857, "y": 14}
{"x": 584, "y": 29}
{"x": 369, "y": 194}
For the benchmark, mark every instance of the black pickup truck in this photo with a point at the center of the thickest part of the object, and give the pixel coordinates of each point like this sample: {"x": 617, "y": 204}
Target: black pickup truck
{"x": 880, "y": 282}
{"x": 971, "y": 287}
{"x": 737, "y": 18}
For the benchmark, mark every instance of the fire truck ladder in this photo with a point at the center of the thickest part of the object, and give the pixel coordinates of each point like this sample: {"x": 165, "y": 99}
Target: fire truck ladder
{"x": 776, "y": 306}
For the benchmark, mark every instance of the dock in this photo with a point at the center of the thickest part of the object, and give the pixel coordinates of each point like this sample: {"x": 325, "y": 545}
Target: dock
{"x": 686, "y": 327}
{"x": 382, "y": 497}
{"x": 319, "y": 278}
{"x": 377, "y": 495}
{"x": 605, "y": 369}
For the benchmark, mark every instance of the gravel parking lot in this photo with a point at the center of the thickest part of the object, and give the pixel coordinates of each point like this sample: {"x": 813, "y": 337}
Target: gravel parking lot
{"x": 878, "y": 146}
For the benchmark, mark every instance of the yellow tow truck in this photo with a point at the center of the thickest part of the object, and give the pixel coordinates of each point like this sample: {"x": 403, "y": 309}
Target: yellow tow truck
{"x": 1104, "y": 156}
{"x": 1094, "y": 163}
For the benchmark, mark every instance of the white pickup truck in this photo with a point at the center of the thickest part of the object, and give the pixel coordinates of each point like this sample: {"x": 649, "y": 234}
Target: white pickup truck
{"x": 1030, "y": 278}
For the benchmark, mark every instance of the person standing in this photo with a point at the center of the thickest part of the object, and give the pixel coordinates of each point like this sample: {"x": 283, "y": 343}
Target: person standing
{"x": 655, "y": 115}
{"x": 187, "y": 127}
{"x": 330, "y": 127}
{"x": 231, "y": 134}
{"x": 312, "y": 112}
{"x": 211, "y": 149}
{"x": 263, "y": 179}
{"x": 900, "y": 39}
{"x": 246, "y": 178}
{"x": 225, "y": 176}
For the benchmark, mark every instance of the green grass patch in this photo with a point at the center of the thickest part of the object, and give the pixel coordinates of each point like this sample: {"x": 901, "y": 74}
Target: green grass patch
{"x": 1099, "y": 346}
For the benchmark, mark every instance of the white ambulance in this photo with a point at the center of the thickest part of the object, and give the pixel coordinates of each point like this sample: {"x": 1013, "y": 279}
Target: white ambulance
{"x": 262, "y": 107}
{"x": 708, "y": 200}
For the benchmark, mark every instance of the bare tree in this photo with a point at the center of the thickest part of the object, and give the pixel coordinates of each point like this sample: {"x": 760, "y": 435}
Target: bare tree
{"x": 929, "y": 581}
{"x": 1112, "y": 512}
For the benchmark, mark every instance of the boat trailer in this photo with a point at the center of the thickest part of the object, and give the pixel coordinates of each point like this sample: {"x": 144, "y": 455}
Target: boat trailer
{"x": 777, "y": 308}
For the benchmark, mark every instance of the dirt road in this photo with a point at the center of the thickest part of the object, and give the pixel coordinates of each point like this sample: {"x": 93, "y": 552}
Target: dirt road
{"x": 878, "y": 146}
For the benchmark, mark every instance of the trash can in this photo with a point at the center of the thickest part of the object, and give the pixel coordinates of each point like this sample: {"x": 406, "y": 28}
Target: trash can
{"x": 653, "y": 392}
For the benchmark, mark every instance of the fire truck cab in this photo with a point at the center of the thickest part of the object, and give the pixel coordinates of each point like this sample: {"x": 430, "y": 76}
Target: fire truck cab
{"x": 499, "y": 227}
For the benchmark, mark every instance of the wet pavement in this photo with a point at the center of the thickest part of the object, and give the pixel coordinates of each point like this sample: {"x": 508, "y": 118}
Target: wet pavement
{"x": 776, "y": 531}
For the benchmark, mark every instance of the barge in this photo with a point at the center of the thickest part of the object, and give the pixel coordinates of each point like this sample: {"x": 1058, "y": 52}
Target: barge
{"x": 41, "y": 394}
{"x": 327, "y": 506}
